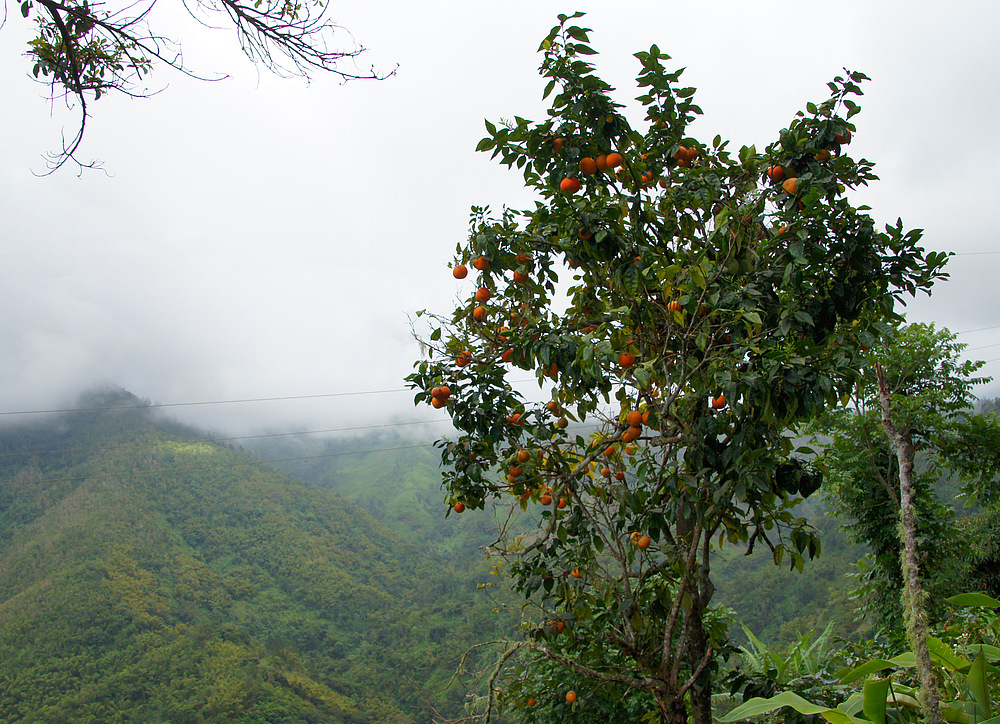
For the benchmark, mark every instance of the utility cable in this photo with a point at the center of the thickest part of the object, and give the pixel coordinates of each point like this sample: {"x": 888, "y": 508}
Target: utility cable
{"x": 248, "y": 463}
{"x": 128, "y": 446}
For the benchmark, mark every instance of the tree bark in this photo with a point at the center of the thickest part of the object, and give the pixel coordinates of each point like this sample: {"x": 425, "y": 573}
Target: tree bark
{"x": 913, "y": 594}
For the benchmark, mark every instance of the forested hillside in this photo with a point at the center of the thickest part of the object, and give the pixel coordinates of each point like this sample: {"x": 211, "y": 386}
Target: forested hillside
{"x": 149, "y": 575}
{"x": 399, "y": 481}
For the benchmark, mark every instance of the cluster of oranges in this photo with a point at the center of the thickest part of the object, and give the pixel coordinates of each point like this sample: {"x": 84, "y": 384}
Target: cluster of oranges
{"x": 590, "y": 166}
{"x": 640, "y": 541}
{"x": 439, "y": 396}
{"x": 786, "y": 175}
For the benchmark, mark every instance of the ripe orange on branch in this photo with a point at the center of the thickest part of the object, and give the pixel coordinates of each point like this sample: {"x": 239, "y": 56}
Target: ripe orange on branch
{"x": 588, "y": 165}
{"x": 460, "y": 271}
{"x": 626, "y": 359}
{"x": 570, "y": 184}
{"x": 776, "y": 174}
{"x": 481, "y": 263}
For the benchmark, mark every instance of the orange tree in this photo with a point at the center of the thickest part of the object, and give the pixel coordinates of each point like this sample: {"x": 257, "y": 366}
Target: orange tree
{"x": 717, "y": 299}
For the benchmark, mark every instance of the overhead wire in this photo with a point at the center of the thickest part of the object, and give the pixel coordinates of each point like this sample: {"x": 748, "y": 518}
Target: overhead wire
{"x": 247, "y": 463}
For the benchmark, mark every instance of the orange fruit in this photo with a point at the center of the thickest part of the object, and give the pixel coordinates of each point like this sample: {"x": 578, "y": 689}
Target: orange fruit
{"x": 609, "y": 451}
{"x": 463, "y": 358}
{"x": 545, "y": 499}
{"x": 823, "y": 155}
{"x": 437, "y": 403}
{"x": 643, "y": 542}
{"x": 614, "y": 160}
{"x": 634, "y": 418}
{"x": 682, "y": 156}
{"x": 776, "y": 174}
{"x": 479, "y": 314}
{"x": 558, "y": 626}
{"x": 557, "y": 145}
{"x": 532, "y": 702}
{"x": 562, "y": 422}
{"x": 523, "y": 456}
{"x": 790, "y": 185}
{"x": 575, "y": 573}
{"x": 626, "y": 359}
{"x": 459, "y": 507}
{"x": 552, "y": 371}
{"x": 633, "y": 433}
{"x": 570, "y": 184}
{"x": 481, "y": 263}
{"x": 719, "y": 402}
{"x": 570, "y": 696}
{"x": 843, "y": 137}
{"x": 588, "y": 165}
{"x": 507, "y": 355}
{"x": 619, "y": 475}
{"x": 674, "y": 306}
{"x": 514, "y": 471}
{"x": 584, "y": 234}
{"x": 606, "y": 472}
{"x": 601, "y": 162}
{"x": 460, "y": 271}
{"x": 630, "y": 450}
{"x": 483, "y": 294}
{"x": 520, "y": 278}
{"x": 562, "y": 503}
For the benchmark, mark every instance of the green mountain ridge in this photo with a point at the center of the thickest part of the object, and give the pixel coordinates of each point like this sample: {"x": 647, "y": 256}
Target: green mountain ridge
{"x": 215, "y": 588}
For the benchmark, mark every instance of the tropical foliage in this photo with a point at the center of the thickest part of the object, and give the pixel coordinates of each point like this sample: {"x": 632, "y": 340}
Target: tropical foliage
{"x": 718, "y": 298}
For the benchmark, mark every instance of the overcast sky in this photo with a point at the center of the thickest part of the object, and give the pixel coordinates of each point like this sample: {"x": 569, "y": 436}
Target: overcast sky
{"x": 258, "y": 237}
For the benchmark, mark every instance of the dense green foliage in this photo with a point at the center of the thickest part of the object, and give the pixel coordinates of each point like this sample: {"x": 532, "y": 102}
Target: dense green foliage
{"x": 957, "y": 450}
{"x": 718, "y": 299}
{"x": 216, "y": 589}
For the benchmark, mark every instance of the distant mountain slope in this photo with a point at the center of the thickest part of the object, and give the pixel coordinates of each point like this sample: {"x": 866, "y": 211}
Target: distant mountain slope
{"x": 212, "y": 589}
{"x": 396, "y": 479}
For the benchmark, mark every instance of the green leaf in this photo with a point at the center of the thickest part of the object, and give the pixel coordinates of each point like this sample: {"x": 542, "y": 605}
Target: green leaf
{"x": 943, "y": 653}
{"x": 757, "y": 706}
{"x": 869, "y": 667}
{"x": 979, "y": 686}
{"x": 873, "y": 699}
{"x": 973, "y": 599}
{"x": 490, "y": 128}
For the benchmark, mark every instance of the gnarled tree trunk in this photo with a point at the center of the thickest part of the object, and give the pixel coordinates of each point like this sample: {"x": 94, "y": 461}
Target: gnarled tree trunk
{"x": 913, "y": 594}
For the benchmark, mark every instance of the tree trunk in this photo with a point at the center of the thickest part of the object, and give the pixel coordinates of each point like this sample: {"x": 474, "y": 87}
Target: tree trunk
{"x": 914, "y": 608}
{"x": 671, "y": 710}
{"x": 701, "y": 690}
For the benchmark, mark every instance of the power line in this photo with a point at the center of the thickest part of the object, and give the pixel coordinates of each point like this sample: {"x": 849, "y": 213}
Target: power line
{"x": 210, "y": 402}
{"x": 128, "y": 446}
{"x": 157, "y": 405}
{"x": 247, "y": 463}
{"x": 980, "y": 329}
